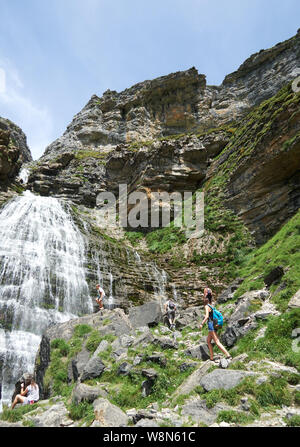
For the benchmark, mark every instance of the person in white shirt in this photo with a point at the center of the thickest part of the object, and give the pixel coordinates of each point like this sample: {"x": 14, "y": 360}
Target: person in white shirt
{"x": 101, "y": 295}
{"x": 28, "y": 396}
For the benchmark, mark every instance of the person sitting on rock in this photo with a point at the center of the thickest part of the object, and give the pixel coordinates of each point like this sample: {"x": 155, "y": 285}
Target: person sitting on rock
{"x": 28, "y": 396}
{"x": 170, "y": 309}
{"x": 101, "y": 295}
{"x": 212, "y": 332}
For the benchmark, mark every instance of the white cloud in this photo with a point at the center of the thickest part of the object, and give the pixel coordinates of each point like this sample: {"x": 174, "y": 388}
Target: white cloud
{"x": 35, "y": 120}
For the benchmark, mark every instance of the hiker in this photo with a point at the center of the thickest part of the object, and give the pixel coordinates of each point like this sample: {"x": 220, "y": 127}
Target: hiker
{"x": 212, "y": 334}
{"x": 101, "y": 295}
{"x": 170, "y": 309}
{"x": 28, "y": 396}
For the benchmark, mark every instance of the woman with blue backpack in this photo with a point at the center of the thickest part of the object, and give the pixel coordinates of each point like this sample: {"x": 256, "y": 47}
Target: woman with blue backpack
{"x": 214, "y": 320}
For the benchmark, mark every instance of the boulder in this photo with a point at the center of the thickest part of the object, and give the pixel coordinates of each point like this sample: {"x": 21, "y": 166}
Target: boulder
{"x": 228, "y": 293}
{"x": 149, "y": 314}
{"x": 165, "y": 343}
{"x": 295, "y": 301}
{"x": 108, "y": 415}
{"x": 147, "y": 385}
{"x": 157, "y": 358}
{"x": 199, "y": 413}
{"x": 146, "y": 423}
{"x": 274, "y": 276}
{"x": 200, "y": 352}
{"x": 78, "y": 364}
{"x": 193, "y": 380}
{"x": 83, "y": 392}
{"x": 94, "y": 368}
{"x": 55, "y": 416}
{"x": 223, "y": 379}
{"x": 124, "y": 369}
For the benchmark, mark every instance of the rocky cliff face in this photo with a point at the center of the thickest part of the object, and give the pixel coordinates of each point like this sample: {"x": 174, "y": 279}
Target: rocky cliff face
{"x": 13, "y": 153}
{"x": 13, "y": 150}
{"x": 167, "y": 134}
{"x": 178, "y": 103}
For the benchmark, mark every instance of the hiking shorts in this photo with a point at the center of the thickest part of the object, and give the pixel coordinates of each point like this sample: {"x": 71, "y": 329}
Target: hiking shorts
{"x": 171, "y": 314}
{"x": 211, "y": 326}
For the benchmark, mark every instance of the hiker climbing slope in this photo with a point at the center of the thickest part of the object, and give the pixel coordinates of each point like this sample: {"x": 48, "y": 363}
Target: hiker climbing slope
{"x": 214, "y": 321}
{"x": 170, "y": 309}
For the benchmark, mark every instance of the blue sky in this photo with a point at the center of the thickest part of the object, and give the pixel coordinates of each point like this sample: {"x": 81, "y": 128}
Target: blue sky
{"x": 54, "y": 54}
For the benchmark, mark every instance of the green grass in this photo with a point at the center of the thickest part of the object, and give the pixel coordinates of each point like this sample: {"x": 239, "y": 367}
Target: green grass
{"x": 234, "y": 417}
{"x": 83, "y": 154}
{"x": 164, "y": 239}
{"x": 134, "y": 237}
{"x": 126, "y": 391}
{"x": 272, "y": 394}
{"x": 276, "y": 344}
{"x": 282, "y": 249}
{"x": 83, "y": 411}
{"x": 81, "y": 330}
{"x": 17, "y": 413}
{"x": 294, "y": 421}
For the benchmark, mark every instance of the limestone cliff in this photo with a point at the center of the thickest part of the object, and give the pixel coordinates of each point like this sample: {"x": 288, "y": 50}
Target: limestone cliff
{"x": 178, "y": 103}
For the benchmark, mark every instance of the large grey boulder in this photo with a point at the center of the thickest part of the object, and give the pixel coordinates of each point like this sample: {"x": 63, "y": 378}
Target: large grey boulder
{"x": 94, "y": 368}
{"x": 228, "y": 293}
{"x": 165, "y": 342}
{"x": 146, "y": 423}
{"x": 224, "y": 379}
{"x": 200, "y": 352}
{"x": 242, "y": 319}
{"x": 149, "y": 314}
{"x": 108, "y": 415}
{"x": 193, "y": 380}
{"x": 83, "y": 392}
{"x": 78, "y": 364}
{"x": 55, "y": 416}
{"x": 199, "y": 413}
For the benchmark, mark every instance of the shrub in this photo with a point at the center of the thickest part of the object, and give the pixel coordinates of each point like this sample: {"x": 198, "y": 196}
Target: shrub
{"x": 61, "y": 345}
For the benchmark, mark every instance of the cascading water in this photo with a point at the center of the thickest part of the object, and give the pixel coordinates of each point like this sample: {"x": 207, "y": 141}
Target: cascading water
{"x": 42, "y": 279}
{"x": 24, "y": 176}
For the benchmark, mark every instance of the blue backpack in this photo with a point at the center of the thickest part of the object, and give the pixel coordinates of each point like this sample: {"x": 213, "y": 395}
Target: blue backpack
{"x": 217, "y": 317}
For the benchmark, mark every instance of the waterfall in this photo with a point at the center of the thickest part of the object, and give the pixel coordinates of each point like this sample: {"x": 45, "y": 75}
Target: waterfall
{"x": 42, "y": 279}
{"x": 24, "y": 176}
